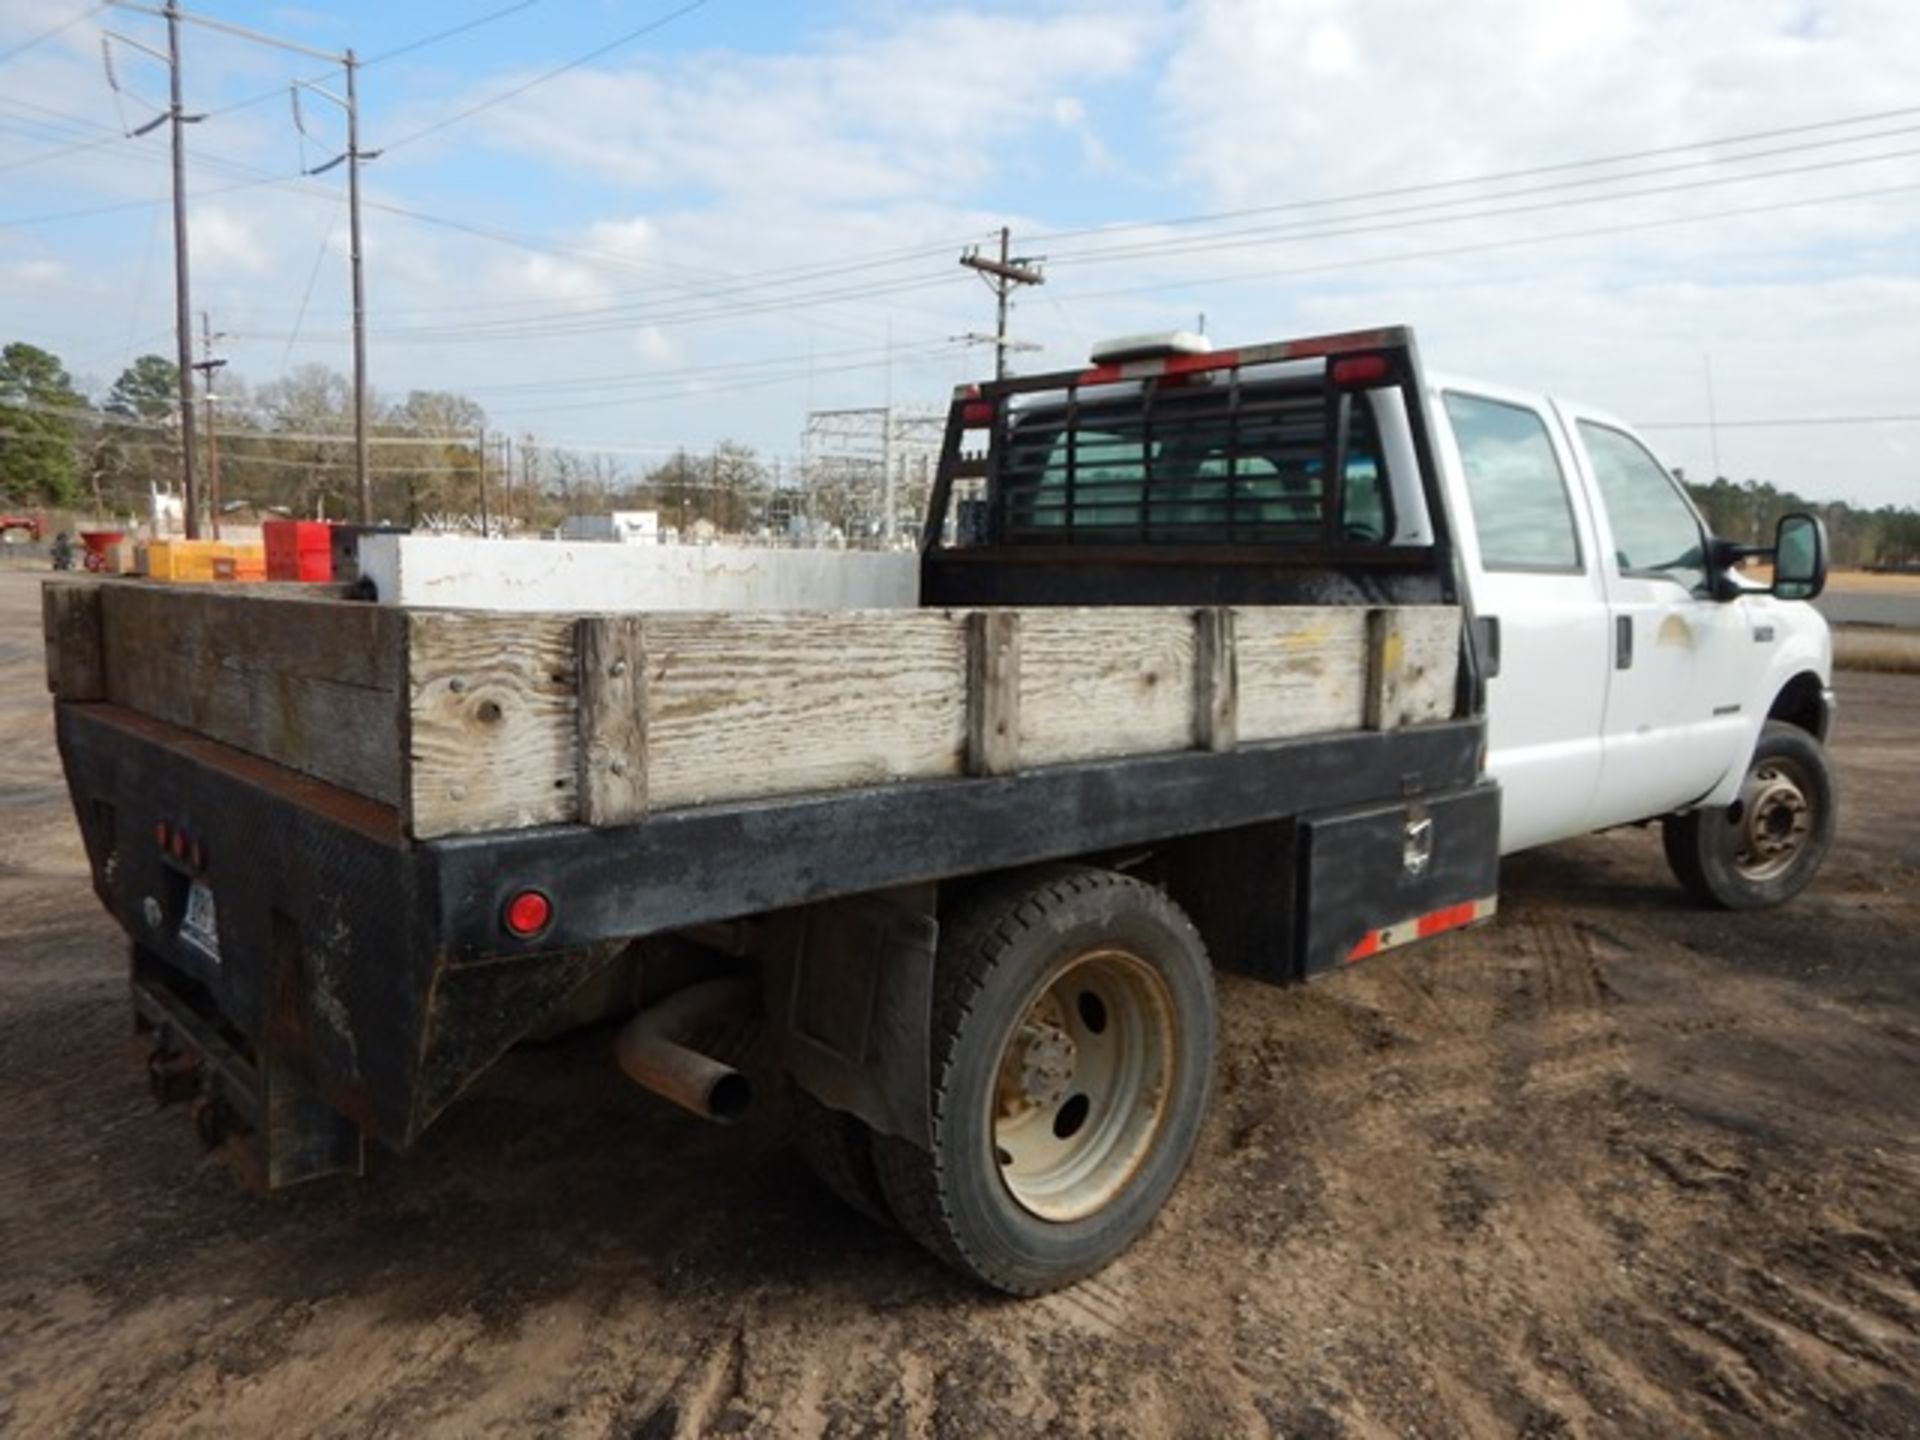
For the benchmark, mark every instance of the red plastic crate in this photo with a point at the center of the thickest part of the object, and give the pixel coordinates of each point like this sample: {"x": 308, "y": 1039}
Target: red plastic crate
{"x": 299, "y": 549}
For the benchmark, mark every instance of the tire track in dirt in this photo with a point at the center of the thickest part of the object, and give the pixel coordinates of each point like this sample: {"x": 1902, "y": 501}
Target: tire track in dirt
{"x": 1606, "y": 1167}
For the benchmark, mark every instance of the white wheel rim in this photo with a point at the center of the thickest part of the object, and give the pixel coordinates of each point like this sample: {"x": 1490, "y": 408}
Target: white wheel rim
{"x": 1082, "y": 1086}
{"x": 1773, "y": 821}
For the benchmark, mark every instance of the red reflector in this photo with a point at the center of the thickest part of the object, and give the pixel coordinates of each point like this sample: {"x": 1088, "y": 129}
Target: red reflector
{"x": 160, "y": 833}
{"x": 528, "y": 913}
{"x": 977, "y": 412}
{"x": 1359, "y": 369}
{"x": 1451, "y": 918}
{"x": 179, "y": 845}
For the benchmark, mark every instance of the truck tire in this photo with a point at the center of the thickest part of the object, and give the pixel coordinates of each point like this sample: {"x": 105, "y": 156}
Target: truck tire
{"x": 838, "y": 1148}
{"x": 1072, "y": 1059}
{"x": 1766, "y": 846}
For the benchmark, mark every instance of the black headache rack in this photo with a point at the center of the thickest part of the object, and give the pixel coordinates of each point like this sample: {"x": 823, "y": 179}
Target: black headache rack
{"x": 1232, "y": 471}
{"x": 358, "y": 982}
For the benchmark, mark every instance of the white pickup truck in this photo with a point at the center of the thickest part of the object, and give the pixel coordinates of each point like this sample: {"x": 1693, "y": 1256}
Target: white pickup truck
{"x": 1256, "y": 659}
{"x": 1632, "y": 672}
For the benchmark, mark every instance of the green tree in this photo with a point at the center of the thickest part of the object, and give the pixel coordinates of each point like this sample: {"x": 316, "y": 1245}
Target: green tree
{"x": 136, "y": 442}
{"x": 148, "y": 389}
{"x": 39, "y": 409}
{"x": 440, "y": 478}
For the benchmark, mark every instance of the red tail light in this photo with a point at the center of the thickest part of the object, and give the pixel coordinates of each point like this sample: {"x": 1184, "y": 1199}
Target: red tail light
{"x": 976, "y": 413}
{"x": 1358, "y": 369}
{"x": 528, "y": 913}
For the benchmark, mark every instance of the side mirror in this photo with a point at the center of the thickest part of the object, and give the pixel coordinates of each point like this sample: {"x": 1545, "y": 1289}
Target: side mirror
{"x": 1799, "y": 557}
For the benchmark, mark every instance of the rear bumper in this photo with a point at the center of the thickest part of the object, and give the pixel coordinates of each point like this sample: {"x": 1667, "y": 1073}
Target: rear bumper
{"x": 327, "y": 1011}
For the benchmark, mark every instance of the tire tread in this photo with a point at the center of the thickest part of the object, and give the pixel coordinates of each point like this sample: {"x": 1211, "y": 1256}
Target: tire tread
{"x": 913, "y": 1180}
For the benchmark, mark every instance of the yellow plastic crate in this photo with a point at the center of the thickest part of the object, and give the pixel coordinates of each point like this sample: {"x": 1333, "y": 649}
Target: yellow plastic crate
{"x": 247, "y": 562}
{"x": 194, "y": 559}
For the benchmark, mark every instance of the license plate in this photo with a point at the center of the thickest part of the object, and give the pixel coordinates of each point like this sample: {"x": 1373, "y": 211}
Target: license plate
{"x": 200, "y": 927}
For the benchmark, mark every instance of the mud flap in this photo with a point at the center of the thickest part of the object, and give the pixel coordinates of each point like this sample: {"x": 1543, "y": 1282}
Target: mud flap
{"x": 850, "y": 986}
{"x": 260, "y": 1115}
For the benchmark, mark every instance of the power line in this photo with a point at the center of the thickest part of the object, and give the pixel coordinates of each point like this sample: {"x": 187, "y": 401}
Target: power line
{"x": 45, "y": 35}
{"x": 279, "y": 91}
{"x": 1236, "y": 239}
{"x": 1479, "y": 247}
{"x": 728, "y": 283}
{"x": 1486, "y": 178}
{"x": 580, "y": 382}
{"x": 75, "y": 148}
{"x": 319, "y": 255}
{"x": 449, "y": 33}
{"x": 595, "y": 320}
{"x": 614, "y": 44}
{"x": 1782, "y": 422}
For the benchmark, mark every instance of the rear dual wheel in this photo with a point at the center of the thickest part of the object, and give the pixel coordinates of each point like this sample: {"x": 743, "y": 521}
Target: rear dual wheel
{"x": 1072, "y": 1047}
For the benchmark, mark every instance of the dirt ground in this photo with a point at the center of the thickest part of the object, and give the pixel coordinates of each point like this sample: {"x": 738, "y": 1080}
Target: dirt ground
{"x": 1612, "y": 1166}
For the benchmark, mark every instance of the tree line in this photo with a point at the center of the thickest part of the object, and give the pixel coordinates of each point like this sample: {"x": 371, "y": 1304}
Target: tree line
{"x": 286, "y": 447}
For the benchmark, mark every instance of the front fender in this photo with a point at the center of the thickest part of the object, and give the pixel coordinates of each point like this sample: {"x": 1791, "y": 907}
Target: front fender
{"x": 1802, "y": 645}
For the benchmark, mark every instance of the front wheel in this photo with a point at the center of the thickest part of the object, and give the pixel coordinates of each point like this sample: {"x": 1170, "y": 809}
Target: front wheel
{"x": 1765, "y": 847}
{"x": 1073, "y": 1035}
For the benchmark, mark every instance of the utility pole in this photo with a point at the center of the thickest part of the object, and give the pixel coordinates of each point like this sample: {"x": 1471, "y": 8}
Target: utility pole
{"x": 362, "y": 471}
{"x": 182, "y": 297}
{"x": 886, "y": 451}
{"x": 206, "y": 365}
{"x": 506, "y": 474}
{"x": 183, "y": 305}
{"x": 1002, "y": 276}
{"x": 353, "y": 157}
{"x": 481, "y": 455}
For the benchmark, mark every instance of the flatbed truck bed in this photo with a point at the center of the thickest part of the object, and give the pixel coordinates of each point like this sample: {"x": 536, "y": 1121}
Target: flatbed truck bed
{"x": 361, "y": 849}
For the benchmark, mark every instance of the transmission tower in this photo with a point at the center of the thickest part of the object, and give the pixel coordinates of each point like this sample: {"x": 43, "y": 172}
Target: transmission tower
{"x": 862, "y": 469}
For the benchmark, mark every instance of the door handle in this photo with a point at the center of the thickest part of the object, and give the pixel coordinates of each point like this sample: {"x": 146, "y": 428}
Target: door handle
{"x": 1623, "y": 642}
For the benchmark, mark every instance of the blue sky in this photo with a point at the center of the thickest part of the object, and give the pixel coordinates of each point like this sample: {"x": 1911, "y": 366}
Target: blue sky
{"x": 756, "y": 209}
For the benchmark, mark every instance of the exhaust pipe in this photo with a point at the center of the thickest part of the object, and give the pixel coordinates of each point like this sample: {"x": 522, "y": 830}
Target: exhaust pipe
{"x": 653, "y": 1057}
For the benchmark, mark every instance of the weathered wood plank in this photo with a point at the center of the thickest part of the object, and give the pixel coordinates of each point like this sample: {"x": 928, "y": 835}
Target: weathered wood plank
{"x": 307, "y": 683}
{"x": 491, "y": 707}
{"x": 70, "y": 618}
{"x": 993, "y": 692}
{"x": 1412, "y": 662}
{"x": 777, "y": 703}
{"x": 1216, "y": 680}
{"x": 1302, "y": 671}
{"x": 1110, "y": 681}
{"x": 613, "y": 718}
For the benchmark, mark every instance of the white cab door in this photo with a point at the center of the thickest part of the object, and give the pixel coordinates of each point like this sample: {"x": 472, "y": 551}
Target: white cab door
{"x": 1673, "y": 716}
{"x": 1528, "y": 544}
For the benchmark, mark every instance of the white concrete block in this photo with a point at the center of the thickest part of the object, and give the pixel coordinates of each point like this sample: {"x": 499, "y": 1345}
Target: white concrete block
{"x": 464, "y": 573}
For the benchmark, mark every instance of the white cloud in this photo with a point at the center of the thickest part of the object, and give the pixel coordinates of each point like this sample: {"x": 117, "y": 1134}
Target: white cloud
{"x": 222, "y": 240}
{"x": 908, "y": 130}
{"x": 871, "y": 117}
{"x": 1330, "y": 49}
